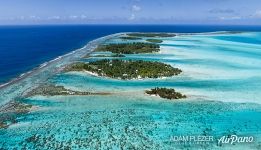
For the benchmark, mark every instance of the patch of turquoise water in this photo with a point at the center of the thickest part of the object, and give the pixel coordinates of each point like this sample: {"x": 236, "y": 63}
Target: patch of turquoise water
{"x": 81, "y": 79}
{"x": 219, "y": 49}
{"x": 127, "y": 121}
{"x": 215, "y": 62}
{"x": 216, "y": 40}
{"x": 171, "y": 58}
{"x": 249, "y": 39}
{"x": 219, "y": 89}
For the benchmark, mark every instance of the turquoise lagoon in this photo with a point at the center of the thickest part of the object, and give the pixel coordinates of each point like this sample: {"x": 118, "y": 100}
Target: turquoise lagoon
{"x": 221, "y": 77}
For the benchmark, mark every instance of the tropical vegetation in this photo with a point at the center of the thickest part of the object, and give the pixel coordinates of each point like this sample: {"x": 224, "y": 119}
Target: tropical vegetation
{"x": 113, "y": 55}
{"x": 151, "y": 34}
{"x": 130, "y": 38}
{"x": 126, "y": 69}
{"x": 154, "y": 40}
{"x": 130, "y": 48}
{"x": 165, "y": 93}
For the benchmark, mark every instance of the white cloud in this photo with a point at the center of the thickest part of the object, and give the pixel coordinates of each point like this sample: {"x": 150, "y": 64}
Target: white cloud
{"x": 222, "y": 11}
{"x": 132, "y": 17}
{"x": 73, "y": 17}
{"x": 33, "y": 17}
{"x": 54, "y": 18}
{"x": 83, "y": 17}
{"x": 257, "y": 14}
{"x": 230, "y": 18}
{"x": 21, "y": 17}
{"x": 135, "y": 8}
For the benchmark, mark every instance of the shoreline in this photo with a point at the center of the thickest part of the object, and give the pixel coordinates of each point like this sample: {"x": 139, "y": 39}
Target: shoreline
{"x": 64, "y": 60}
{"x": 132, "y": 79}
{"x": 28, "y": 73}
{"x": 41, "y": 66}
{"x": 85, "y": 50}
{"x": 45, "y": 64}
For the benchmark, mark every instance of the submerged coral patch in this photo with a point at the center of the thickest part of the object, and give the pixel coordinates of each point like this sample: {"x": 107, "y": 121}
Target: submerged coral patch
{"x": 52, "y": 90}
{"x": 10, "y": 111}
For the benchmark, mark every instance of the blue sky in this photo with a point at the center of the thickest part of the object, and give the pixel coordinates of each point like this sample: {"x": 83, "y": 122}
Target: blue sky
{"x": 130, "y": 12}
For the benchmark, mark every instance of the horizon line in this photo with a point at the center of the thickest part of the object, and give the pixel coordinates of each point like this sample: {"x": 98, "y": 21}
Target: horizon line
{"x": 131, "y": 24}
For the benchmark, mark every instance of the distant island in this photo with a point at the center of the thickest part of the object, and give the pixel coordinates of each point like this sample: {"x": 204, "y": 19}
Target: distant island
{"x": 154, "y": 40}
{"x": 112, "y": 55}
{"x": 129, "y": 48}
{"x": 151, "y": 34}
{"x": 130, "y": 38}
{"x": 126, "y": 69}
{"x": 138, "y": 36}
{"x": 165, "y": 93}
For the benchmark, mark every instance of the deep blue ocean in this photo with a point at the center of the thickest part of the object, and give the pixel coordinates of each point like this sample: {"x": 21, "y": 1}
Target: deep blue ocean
{"x": 23, "y": 48}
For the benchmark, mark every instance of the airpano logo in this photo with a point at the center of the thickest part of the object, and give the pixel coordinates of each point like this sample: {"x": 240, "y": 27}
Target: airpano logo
{"x": 235, "y": 139}
{"x": 203, "y": 140}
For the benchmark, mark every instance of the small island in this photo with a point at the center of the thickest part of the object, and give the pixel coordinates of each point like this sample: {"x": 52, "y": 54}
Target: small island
{"x": 129, "y": 48}
{"x": 165, "y": 93}
{"x": 130, "y": 38}
{"x": 151, "y": 34}
{"x": 113, "y": 55}
{"x": 53, "y": 90}
{"x": 126, "y": 69}
{"x": 154, "y": 40}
